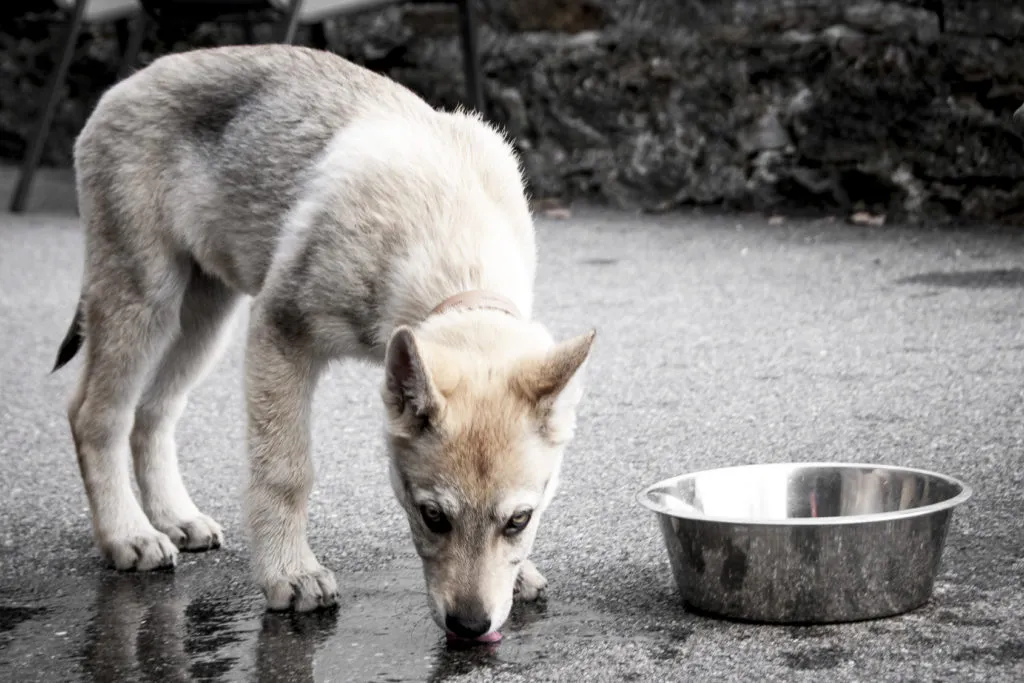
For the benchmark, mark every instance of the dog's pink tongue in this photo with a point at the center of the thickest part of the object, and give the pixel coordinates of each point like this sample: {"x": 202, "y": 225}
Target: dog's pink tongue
{"x": 492, "y": 637}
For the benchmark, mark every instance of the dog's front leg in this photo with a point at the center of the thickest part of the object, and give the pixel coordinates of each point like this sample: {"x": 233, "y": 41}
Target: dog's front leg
{"x": 281, "y": 376}
{"x": 530, "y": 584}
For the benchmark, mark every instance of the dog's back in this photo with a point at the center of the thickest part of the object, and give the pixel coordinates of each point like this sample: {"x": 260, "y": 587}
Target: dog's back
{"x": 216, "y": 144}
{"x": 214, "y": 148}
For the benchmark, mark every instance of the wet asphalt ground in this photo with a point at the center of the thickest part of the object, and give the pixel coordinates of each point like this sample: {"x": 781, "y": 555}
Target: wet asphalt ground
{"x": 722, "y": 340}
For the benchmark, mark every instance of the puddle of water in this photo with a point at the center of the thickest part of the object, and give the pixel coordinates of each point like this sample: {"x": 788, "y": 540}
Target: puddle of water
{"x": 204, "y": 623}
{"x": 10, "y": 617}
{"x": 172, "y": 627}
{"x": 1004, "y": 278}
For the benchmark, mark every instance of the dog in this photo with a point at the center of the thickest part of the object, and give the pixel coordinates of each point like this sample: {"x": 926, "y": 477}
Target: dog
{"x": 359, "y": 223}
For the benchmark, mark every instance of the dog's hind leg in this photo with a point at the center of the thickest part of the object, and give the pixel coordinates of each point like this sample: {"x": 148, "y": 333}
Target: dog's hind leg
{"x": 207, "y": 304}
{"x": 131, "y": 300}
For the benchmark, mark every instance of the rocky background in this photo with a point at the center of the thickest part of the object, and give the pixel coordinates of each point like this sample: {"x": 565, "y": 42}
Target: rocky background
{"x": 896, "y": 110}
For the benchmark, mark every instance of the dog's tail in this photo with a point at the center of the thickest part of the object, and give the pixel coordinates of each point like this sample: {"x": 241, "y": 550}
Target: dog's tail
{"x": 72, "y": 340}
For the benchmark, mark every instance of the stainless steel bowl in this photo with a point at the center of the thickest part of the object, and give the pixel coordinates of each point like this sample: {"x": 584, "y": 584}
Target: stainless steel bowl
{"x": 805, "y": 542}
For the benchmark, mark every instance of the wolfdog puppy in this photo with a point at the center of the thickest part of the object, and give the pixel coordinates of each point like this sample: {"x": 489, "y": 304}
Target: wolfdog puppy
{"x": 360, "y": 223}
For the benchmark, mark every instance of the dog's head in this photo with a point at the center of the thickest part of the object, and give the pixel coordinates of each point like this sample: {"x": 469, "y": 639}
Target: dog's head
{"x": 476, "y": 444}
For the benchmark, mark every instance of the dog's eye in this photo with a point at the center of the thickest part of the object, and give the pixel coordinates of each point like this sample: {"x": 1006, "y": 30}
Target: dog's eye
{"x": 435, "y": 518}
{"x": 518, "y": 522}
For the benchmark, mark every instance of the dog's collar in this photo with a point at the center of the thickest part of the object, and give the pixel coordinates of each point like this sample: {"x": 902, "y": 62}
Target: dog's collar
{"x": 476, "y": 299}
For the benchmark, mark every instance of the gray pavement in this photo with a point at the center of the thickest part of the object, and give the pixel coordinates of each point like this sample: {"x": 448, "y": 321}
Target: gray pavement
{"x": 722, "y": 340}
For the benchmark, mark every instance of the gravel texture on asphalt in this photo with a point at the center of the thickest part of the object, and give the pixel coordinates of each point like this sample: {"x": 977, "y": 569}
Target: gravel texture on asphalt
{"x": 721, "y": 340}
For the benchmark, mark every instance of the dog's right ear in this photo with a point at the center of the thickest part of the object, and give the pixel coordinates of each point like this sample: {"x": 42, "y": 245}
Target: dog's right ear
{"x": 553, "y": 384}
{"x": 409, "y": 391}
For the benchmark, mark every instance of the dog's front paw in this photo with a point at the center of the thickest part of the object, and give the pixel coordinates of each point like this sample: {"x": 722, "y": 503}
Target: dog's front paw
{"x": 195, "y": 534}
{"x": 139, "y": 549}
{"x": 531, "y": 583}
{"x": 303, "y": 592}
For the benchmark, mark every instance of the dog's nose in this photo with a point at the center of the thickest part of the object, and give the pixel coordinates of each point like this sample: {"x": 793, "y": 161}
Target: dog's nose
{"x": 467, "y": 625}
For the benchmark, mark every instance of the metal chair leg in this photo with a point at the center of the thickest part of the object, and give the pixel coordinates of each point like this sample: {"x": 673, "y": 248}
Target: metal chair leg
{"x": 131, "y": 51}
{"x": 290, "y": 22}
{"x": 35, "y": 149}
{"x": 471, "y": 55}
{"x": 318, "y": 35}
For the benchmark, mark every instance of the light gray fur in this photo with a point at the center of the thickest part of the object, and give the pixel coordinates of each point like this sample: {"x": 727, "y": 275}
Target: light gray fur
{"x": 339, "y": 202}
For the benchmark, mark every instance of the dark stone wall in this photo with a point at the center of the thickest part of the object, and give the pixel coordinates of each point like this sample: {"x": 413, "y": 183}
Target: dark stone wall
{"x": 896, "y": 108}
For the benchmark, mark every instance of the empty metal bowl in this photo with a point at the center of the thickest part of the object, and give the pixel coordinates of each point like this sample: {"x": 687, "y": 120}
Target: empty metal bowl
{"x": 805, "y": 542}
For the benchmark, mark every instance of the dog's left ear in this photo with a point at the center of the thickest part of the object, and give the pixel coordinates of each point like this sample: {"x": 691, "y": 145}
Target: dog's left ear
{"x": 553, "y": 384}
{"x": 409, "y": 391}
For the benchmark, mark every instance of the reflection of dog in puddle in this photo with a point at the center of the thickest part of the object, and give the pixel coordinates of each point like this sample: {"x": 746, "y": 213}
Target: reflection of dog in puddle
{"x": 458, "y": 659}
{"x": 137, "y": 631}
{"x": 288, "y": 643}
{"x": 156, "y": 627}
{"x": 147, "y": 628}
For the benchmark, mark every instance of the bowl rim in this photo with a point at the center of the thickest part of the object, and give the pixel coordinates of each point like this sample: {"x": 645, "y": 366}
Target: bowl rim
{"x": 966, "y": 492}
